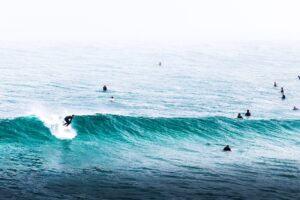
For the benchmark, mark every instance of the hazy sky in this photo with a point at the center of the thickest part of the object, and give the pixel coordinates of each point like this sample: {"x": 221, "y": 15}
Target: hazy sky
{"x": 149, "y": 19}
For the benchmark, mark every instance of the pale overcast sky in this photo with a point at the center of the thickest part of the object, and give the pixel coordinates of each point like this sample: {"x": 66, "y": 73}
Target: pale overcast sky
{"x": 149, "y": 19}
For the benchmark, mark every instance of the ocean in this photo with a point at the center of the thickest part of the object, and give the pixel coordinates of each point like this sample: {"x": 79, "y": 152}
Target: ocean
{"x": 162, "y": 137}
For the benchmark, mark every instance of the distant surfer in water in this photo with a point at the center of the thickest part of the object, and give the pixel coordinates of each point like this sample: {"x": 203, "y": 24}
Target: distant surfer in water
{"x": 112, "y": 98}
{"x": 227, "y": 148}
{"x": 68, "y": 120}
{"x": 275, "y": 84}
{"x": 248, "y": 114}
{"x": 239, "y": 116}
{"x": 299, "y": 77}
{"x": 159, "y": 64}
{"x": 282, "y": 91}
{"x": 295, "y": 108}
{"x": 283, "y": 97}
{"x": 104, "y": 88}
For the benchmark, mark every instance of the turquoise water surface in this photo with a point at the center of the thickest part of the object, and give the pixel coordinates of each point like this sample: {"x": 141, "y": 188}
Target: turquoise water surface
{"x": 163, "y": 135}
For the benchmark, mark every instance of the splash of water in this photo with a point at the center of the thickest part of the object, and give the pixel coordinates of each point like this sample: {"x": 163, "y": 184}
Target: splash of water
{"x": 55, "y": 123}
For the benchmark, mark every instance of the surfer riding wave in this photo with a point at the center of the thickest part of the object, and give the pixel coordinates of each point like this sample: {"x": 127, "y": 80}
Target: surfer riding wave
{"x": 68, "y": 120}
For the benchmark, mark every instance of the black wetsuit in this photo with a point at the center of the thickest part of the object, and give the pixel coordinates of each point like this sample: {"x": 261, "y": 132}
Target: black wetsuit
{"x": 104, "y": 88}
{"x": 227, "y": 148}
{"x": 239, "y": 116}
{"x": 68, "y": 120}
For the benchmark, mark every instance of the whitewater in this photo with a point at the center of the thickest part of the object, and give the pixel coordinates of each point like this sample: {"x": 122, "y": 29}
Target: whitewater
{"x": 163, "y": 135}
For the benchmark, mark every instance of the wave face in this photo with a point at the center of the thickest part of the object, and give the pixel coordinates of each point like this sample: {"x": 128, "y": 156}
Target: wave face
{"x": 174, "y": 157}
{"x": 128, "y": 129}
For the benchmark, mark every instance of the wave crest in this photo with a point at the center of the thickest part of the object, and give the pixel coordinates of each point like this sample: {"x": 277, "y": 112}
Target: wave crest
{"x": 126, "y": 128}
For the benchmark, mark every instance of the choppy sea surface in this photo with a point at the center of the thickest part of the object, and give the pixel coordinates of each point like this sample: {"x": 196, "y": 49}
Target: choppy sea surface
{"x": 162, "y": 137}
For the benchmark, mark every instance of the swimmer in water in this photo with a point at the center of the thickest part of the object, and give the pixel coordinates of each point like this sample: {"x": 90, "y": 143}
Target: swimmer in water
{"x": 282, "y": 91}
{"x": 104, "y": 88}
{"x": 112, "y": 98}
{"x": 159, "y": 64}
{"x": 68, "y": 120}
{"x": 227, "y": 148}
{"x": 283, "y": 97}
{"x": 295, "y": 108}
{"x": 299, "y": 77}
{"x": 248, "y": 114}
{"x": 275, "y": 84}
{"x": 239, "y": 116}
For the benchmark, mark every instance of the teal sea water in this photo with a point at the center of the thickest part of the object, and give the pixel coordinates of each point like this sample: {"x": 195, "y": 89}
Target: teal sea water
{"x": 163, "y": 135}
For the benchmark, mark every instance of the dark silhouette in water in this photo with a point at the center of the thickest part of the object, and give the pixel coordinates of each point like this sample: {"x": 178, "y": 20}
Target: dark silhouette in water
{"x": 275, "y": 84}
{"x": 239, "y": 116}
{"x": 283, "y": 97}
{"x": 112, "y": 98}
{"x": 159, "y": 64}
{"x": 227, "y": 148}
{"x": 68, "y": 120}
{"x": 298, "y": 76}
{"x": 282, "y": 91}
{"x": 295, "y": 108}
{"x": 104, "y": 88}
{"x": 248, "y": 114}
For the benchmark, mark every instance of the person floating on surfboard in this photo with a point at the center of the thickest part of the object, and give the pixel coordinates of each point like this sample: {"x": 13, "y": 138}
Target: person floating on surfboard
{"x": 248, "y": 114}
{"x": 295, "y": 108}
{"x": 68, "y": 120}
{"x": 227, "y": 148}
{"x": 104, "y": 88}
{"x": 239, "y": 116}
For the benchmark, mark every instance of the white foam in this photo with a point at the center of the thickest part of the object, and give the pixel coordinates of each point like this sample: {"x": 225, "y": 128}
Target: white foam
{"x": 55, "y": 123}
{"x": 62, "y": 132}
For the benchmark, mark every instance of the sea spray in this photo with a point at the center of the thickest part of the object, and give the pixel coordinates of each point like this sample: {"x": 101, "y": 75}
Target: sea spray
{"x": 55, "y": 124}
